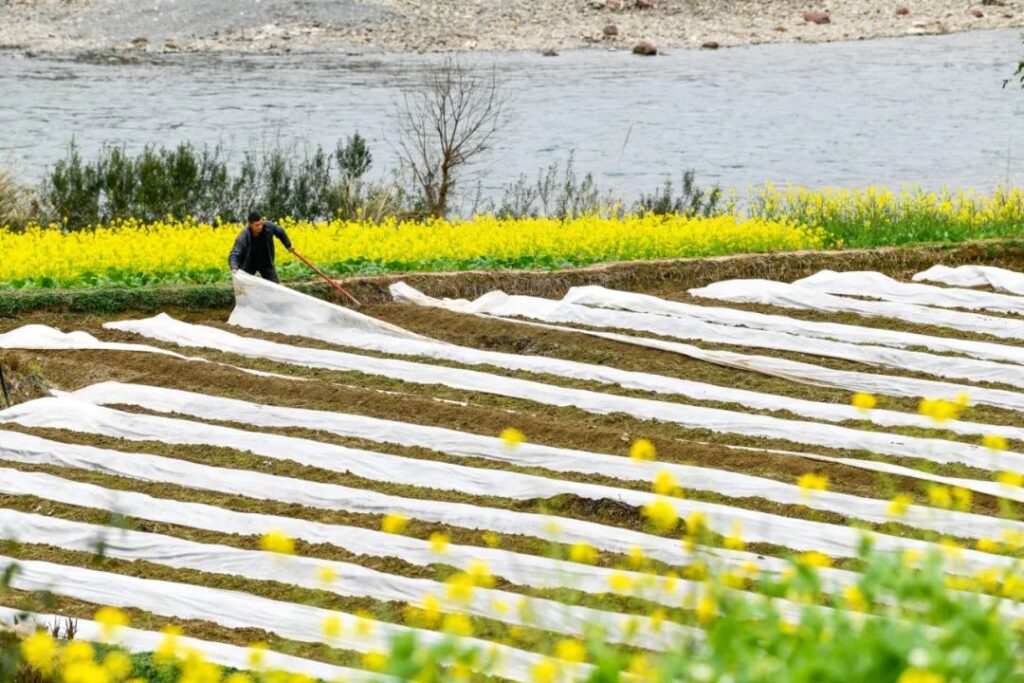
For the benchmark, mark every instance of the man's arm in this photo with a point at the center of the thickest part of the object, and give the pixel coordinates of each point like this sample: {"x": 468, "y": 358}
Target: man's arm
{"x": 235, "y": 257}
{"x": 281, "y": 235}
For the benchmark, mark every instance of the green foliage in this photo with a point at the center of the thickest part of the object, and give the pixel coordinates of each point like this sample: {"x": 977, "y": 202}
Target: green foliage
{"x": 18, "y": 206}
{"x": 691, "y": 200}
{"x": 556, "y": 193}
{"x": 190, "y": 181}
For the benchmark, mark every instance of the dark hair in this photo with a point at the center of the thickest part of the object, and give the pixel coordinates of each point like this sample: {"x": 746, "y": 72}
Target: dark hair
{"x": 254, "y": 216}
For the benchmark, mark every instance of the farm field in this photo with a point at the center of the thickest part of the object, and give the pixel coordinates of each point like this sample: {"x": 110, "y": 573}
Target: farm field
{"x": 520, "y": 472}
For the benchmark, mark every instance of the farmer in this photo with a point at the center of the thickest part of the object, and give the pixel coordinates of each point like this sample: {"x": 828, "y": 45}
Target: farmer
{"x": 254, "y": 248}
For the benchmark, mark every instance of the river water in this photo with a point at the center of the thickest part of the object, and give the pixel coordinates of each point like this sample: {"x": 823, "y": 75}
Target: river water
{"x": 929, "y": 111}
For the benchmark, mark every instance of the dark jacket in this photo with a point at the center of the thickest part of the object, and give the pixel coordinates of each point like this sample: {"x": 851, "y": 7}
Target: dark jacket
{"x": 241, "y": 253}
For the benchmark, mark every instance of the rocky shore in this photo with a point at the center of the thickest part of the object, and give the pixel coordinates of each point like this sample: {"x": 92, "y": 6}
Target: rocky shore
{"x": 127, "y": 27}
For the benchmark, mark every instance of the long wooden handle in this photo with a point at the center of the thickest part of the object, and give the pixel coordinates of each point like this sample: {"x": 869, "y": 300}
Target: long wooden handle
{"x": 322, "y": 274}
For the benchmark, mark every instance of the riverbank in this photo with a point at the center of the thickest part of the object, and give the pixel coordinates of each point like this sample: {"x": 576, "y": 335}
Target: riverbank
{"x": 132, "y": 27}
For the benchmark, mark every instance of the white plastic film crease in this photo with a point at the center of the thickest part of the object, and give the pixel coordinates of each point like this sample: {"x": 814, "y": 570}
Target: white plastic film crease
{"x": 352, "y": 580}
{"x": 878, "y": 286}
{"x": 237, "y": 610}
{"x": 999, "y": 279}
{"x": 732, "y": 484}
{"x": 222, "y": 654}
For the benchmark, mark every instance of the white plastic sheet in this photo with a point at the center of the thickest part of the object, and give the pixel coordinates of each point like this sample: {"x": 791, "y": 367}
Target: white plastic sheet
{"x": 44, "y": 338}
{"x": 732, "y": 484}
{"x": 887, "y": 385}
{"x": 519, "y": 568}
{"x": 879, "y": 286}
{"x": 168, "y": 329}
{"x": 268, "y": 306}
{"x": 680, "y": 325}
{"x": 999, "y": 279}
{"x": 25, "y": 448}
{"x": 222, "y": 654}
{"x": 258, "y": 301}
{"x": 600, "y": 297}
{"x": 759, "y": 526}
{"x": 770, "y": 292}
{"x": 353, "y": 580}
{"x": 234, "y": 609}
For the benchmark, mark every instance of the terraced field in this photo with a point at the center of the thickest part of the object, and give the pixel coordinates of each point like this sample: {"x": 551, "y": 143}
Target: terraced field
{"x": 515, "y": 470}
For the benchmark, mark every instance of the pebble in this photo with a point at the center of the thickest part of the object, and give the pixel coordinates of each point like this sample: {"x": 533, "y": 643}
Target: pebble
{"x": 817, "y": 17}
{"x": 646, "y": 48}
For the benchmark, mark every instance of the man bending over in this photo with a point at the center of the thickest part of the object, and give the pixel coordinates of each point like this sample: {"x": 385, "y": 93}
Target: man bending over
{"x": 254, "y": 247}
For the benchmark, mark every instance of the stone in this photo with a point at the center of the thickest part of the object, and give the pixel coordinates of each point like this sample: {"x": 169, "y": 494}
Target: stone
{"x": 645, "y": 48}
{"x": 780, "y": 29}
{"x": 902, "y": 11}
{"x": 977, "y": 14}
{"x": 644, "y": 4}
{"x": 613, "y": 4}
{"x": 709, "y": 45}
{"x": 817, "y": 17}
{"x": 140, "y": 40}
{"x": 610, "y": 31}
{"x": 549, "y": 52}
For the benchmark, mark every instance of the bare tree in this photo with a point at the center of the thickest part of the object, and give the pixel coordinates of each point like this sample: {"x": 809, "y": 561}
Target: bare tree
{"x": 445, "y": 126}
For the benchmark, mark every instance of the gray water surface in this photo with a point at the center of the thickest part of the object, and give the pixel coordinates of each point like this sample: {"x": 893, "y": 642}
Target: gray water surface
{"x": 930, "y": 111}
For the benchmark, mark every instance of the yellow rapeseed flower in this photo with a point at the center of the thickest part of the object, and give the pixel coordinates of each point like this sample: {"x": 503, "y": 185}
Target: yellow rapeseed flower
{"x": 439, "y": 542}
{"x": 915, "y": 675}
{"x": 940, "y": 496}
{"x": 863, "y": 401}
{"x": 111, "y": 620}
{"x": 544, "y": 671}
{"x": 642, "y": 449}
{"x": 460, "y": 587}
{"x": 941, "y": 410}
{"x": 256, "y": 656}
{"x": 118, "y": 665}
{"x": 734, "y": 541}
{"x": 696, "y": 522}
{"x": 40, "y": 651}
{"x": 326, "y": 574}
{"x": 988, "y": 545}
{"x": 854, "y": 599}
{"x": 167, "y": 650}
{"x": 662, "y": 514}
{"x": 707, "y": 609}
{"x": 571, "y": 651}
{"x": 152, "y": 252}
{"x": 457, "y": 624}
{"x": 1010, "y": 478}
{"x": 375, "y": 661}
{"x": 331, "y": 626}
{"x": 814, "y": 559}
{"x": 480, "y": 572}
{"x": 665, "y": 484}
{"x": 491, "y": 539}
{"x": 994, "y": 442}
{"x": 77, "y": 651}
{"x": 394, "y": 523}
{"x": 583, "y": 553}
{"x": 276, "y": 541}
{"x": 619, "y": 582}
{"x": 811, "y": 482}
{"x": 512, "y": 437}
{"x": 898, "y": 505}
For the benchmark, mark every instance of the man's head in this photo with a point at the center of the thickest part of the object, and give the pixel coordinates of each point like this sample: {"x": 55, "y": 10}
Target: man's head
{"x": 256, "y": 222}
